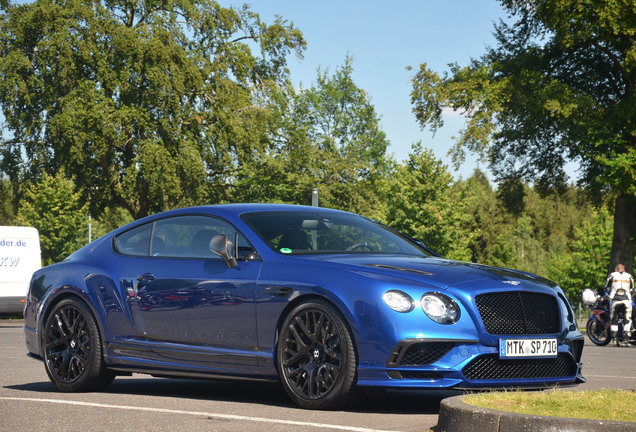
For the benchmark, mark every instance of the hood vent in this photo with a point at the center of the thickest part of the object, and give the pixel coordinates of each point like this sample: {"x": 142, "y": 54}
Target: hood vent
{"x": 390, "y": 267}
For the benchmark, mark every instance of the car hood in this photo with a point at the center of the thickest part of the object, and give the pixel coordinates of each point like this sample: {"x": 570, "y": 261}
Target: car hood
{"x": 437, "y": 271}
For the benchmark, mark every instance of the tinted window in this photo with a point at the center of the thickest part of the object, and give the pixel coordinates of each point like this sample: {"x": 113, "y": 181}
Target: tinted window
{"x": 190, "y": 236}
{"x": 180, "y": 237}
{"x": 134, "y": 242}
{"x": 305, "y": 232}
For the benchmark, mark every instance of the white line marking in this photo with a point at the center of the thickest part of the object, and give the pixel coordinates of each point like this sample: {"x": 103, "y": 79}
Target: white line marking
{"x": 608, "y": 376}
{"x": 198, "y": 413}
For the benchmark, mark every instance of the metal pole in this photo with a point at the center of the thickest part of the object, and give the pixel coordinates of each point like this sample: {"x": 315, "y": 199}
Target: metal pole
{"x": 314, "y": 197}
{"x": 90, "y": 229}
{"x": 314, "y": 203}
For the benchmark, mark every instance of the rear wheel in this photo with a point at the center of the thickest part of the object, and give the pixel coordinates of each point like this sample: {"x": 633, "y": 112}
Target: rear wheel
{"x": 72, "y": 349}
{"x": 597, "y": 332}
{"x": 316, "y": 358}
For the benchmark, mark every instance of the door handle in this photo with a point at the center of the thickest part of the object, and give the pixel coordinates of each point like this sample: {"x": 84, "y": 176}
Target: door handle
{"x": 278, "y": 291}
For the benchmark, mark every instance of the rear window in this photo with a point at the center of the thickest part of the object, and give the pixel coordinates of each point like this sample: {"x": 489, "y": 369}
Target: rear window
{"x": 135, "y": 242}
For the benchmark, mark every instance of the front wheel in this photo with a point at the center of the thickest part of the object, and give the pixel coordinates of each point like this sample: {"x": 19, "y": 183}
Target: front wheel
{"x": 598, "y": 333}
{"x": 316, "y": 358}
{"x": 72, "y": 349}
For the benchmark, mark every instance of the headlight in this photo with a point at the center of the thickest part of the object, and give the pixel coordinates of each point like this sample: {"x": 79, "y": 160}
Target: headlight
{"x": 440, "y": 308}
{"x": 398, "y": 301}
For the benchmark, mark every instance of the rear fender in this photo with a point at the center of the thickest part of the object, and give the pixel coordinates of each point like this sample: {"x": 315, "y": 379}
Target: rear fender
{"x": 100, "y": 293}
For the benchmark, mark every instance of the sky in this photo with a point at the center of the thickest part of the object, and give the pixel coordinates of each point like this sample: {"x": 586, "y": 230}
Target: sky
{"x": 385, "y": 38}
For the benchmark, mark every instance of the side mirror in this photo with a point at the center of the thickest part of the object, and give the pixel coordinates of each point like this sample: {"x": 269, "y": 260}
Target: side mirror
{"x": 223, "y": 247}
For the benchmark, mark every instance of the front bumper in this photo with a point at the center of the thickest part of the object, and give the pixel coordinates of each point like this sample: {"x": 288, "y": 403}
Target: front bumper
{"x": 445, "y": 363}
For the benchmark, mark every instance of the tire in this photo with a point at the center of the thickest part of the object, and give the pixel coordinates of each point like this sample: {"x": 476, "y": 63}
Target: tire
{"x": 73, "y": 349}
{"x": 597, "y": 332}
{"x": 316, "y": 358}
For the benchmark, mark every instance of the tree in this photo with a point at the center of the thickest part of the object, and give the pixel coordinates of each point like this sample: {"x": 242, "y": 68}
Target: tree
{"x": 350, "y": 145}
{"x": 7, "y": 208}
{"x": 109, "y": 220}
{"x": 488, "y": 222}
{"x": 56, "y": 210}
{"x": 584, "y": 267}
{"x": 147, "y": 104}
{"x": 558, "y": 86}
{"x": 421, "y": 201}
{"x": 327, "y": 136}
{"x": 540, "y": 235}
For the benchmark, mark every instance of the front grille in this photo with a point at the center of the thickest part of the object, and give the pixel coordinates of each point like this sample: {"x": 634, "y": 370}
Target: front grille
{"x": 491, "y": 367}
{"x": 425, "y": 353}
{"x": 419, "y": 353}
{"x": 432, "y": 376}
{"x": 518, "y": 312}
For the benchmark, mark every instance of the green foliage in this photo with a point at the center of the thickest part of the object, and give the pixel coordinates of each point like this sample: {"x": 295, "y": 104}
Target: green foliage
{"x": 56, "y": 210}
{"x": 488, "y": 221}
{"x": 561, "y": 236}
{"x": 421, "y": 202}
{"x": 524, "y": 96}
{"x": 108, "y": 220}
{"x": 328, "y": 137}
{"x": 586, "y": 264}
{"x": 148, "y": 104}
{"x": 7, "y": 200}
{"x": 152, "y": 105}
{"x": 560, "y": 84}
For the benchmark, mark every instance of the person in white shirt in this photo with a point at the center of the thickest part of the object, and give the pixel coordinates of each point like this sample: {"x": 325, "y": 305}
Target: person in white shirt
{"x": 620, "y": 285}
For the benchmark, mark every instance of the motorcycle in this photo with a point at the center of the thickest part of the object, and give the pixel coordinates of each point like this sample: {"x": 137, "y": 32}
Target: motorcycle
{"x": 600, "y": 329}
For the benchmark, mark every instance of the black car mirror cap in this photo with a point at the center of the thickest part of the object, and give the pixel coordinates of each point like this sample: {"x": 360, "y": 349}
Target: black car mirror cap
{"x": 223, "y": 247}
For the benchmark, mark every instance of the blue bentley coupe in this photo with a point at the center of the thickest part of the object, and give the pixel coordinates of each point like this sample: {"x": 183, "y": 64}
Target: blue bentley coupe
{"x": 324, "y": 301}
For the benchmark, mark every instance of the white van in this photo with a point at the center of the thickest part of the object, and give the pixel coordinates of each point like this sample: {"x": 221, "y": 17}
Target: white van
{"x": 19, "y": 258}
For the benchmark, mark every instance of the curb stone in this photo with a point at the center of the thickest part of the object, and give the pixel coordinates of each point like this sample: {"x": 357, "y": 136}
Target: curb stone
{"x": 457, "y": 416}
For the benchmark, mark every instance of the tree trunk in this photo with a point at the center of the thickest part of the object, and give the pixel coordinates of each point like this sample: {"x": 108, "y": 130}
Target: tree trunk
{"x": 624, "y": 233}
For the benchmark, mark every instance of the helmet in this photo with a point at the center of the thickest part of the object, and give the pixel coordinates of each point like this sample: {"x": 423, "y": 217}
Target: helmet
{"x": 589, "y": 297}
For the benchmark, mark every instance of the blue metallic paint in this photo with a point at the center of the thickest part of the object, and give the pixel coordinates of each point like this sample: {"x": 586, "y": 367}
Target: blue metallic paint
{"x": 224, "y": 321}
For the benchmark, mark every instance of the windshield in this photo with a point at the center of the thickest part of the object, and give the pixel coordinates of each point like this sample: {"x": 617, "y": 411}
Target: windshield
{"x": 296, "y": 233}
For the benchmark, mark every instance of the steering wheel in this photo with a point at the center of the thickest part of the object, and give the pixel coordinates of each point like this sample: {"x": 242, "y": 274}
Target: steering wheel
{"x": 359, "y": 245}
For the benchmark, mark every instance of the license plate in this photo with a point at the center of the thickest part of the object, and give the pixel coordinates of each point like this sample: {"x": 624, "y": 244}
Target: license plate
{"x": 511, "y": 348}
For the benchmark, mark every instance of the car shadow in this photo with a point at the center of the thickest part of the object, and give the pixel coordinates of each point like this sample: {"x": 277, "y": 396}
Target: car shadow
{"x": 268, "y": 394}
{"x": 401, "y": 401}
{"x": 38, "y": 387}
{"x": 226, "y": 391}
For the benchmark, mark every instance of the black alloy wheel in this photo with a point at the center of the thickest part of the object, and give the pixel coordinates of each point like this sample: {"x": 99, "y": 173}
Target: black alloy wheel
{"x": 598, "y": 333}
{"x": 316, "y": 358}
{"x": 72, "y": 349}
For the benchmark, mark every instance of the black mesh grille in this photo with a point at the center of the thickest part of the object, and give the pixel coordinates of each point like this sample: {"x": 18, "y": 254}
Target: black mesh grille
{"x": 420, "y": 375}
{"x": 425, "y": 353}
{"x": 518, "y": 312}
{"x": 491, "y": 367}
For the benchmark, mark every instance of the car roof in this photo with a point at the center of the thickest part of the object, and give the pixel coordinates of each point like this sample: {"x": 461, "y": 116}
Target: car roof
{"x": 236, "y": 210}
{"x": 229, "y": 211}
{"x": 254, "y": 207}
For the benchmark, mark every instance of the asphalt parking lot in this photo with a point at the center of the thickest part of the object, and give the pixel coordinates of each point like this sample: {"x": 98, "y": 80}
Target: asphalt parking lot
{"x": 28, "y": 401}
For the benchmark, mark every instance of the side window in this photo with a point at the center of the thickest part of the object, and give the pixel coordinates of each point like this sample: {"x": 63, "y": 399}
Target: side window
{"x": 190, "y": 236}
{"x": 135, "y": 242}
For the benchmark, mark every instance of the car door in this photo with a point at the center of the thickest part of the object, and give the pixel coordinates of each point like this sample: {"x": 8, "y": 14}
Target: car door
{"x": 192, "y": 307}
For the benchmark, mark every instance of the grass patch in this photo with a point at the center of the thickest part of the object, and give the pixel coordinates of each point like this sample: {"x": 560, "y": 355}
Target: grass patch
{"x": 618, "y": 405}
{"x": 10, "y": 317}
